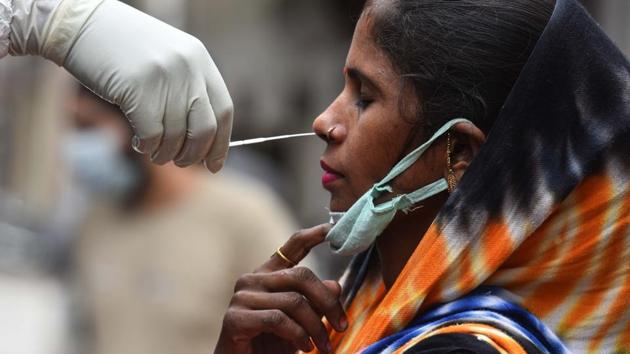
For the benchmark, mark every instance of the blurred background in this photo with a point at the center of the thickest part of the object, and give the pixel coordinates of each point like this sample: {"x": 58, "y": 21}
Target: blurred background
{"x": 101, "y": 252}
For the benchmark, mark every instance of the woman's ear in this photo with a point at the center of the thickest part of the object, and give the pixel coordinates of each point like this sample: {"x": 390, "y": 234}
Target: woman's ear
{"x": 465, "y": 141}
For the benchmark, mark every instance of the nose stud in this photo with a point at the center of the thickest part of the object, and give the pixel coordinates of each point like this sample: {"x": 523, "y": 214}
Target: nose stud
{"x": 330, "y": 131}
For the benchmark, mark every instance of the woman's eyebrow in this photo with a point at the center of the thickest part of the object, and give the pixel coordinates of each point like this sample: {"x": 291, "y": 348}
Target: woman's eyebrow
{"x": 356, "y": 74}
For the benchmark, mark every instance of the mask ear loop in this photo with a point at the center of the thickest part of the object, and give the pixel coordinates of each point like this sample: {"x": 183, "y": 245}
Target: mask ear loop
{"x": 450, "y": 178}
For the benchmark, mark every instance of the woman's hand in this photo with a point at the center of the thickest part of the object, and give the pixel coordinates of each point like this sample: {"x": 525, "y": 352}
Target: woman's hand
{"x": 279, "y": 309}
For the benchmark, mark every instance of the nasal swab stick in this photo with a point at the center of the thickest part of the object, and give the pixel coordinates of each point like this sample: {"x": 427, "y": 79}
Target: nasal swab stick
{"x": 262, "y": 140}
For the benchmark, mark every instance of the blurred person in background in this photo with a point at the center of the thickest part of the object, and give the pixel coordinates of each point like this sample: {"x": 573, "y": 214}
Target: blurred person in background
{"x": 157, "y": 256}
{"x": 163, "y": 79}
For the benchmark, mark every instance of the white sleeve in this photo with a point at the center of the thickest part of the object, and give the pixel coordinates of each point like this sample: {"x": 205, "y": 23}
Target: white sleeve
{"x": 6, "y": 13}
{"x": 28, "y": 31}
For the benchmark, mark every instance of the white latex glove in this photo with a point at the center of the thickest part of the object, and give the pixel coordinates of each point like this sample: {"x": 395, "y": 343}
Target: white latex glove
{"x": 163, "y": 79}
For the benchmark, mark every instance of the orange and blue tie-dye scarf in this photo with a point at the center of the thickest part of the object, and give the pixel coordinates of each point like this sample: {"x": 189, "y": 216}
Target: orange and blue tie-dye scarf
{"x": 543, "y": 213}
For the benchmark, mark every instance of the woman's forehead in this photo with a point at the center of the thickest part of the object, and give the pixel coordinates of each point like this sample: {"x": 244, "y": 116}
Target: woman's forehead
{"x": 365, "y": 55}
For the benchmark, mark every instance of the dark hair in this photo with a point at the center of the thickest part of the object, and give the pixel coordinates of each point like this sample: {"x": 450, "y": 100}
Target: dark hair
{"x": 461, "y": 56}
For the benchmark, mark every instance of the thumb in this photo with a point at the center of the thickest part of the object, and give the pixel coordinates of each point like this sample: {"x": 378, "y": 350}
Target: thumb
{"x": 336, "y": 289}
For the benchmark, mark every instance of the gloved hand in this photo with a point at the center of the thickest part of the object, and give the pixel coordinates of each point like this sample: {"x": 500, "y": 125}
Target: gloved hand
{"x": 163, "y": 79}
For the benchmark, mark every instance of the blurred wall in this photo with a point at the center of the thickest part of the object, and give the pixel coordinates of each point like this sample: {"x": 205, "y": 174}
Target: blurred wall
{"x": 614, "y": 17}
{"x": 32, "y": 99}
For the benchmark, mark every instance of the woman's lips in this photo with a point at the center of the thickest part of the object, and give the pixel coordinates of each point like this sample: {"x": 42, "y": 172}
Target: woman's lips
{"x": 328, "y": 178}
{"x": 329, "y": 175}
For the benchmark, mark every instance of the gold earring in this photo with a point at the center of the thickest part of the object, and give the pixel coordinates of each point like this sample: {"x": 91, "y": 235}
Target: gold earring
{"x": 450, "y": 178}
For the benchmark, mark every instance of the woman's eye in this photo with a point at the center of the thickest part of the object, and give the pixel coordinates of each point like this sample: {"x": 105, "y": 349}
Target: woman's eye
{"x": 363, "y": 103}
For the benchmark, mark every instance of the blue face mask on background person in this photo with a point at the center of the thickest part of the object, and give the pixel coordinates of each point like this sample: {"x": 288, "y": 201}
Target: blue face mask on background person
{"x": 99, "y": 165}
{"x": 356, "y": 230}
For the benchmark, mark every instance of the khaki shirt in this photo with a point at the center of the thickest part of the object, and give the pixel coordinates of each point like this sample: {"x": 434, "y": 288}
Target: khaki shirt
{"x": 160, "y": 283}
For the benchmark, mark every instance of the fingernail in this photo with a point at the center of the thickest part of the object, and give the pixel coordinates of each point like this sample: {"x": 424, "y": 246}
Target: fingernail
{"x": 216, "y": 165}
{"x": 343, "y": 322}
{"x": 158, "y": 160}
{"x": 181, "y": 164}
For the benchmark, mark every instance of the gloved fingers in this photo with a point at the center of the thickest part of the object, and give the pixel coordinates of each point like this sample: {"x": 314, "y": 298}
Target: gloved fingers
{"x": 147, "y": 131}
{"x": 224, "y": 112}
{"x": 202, "y": 127}
{"x": 218, "y": 93}
{"x": 145, "y": 145}
{"x": 174, "y": 133}
{"x": 219, "y": 150}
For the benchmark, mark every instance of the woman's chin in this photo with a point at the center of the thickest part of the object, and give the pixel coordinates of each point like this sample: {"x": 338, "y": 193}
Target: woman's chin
{"x": 340, "y": 205}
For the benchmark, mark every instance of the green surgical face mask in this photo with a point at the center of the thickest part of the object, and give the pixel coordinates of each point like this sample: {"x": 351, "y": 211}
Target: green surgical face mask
{"x": 357, "y": 229}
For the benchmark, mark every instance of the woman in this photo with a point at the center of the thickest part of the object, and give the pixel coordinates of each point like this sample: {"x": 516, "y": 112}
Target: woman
{"x": 527, "y": 250}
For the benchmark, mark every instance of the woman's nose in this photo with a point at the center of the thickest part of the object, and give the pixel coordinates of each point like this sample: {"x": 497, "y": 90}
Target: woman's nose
{"x": 328, "y": 128}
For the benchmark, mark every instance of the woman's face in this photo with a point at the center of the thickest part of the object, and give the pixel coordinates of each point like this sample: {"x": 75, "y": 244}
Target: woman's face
{"x": 372, "y": 127}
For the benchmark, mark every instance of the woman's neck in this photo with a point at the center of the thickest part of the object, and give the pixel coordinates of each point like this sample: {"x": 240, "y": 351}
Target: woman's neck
{"x": 398, "y": 242}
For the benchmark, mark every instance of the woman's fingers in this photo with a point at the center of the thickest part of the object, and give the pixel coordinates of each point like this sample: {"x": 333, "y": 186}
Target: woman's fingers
{"x": 333, "y": 286}
{"x": 302, "y": 280}
{"x": 324, "y": 297}
{"x": 245, "y": 324}
{"x": 296, "y": 248}
{"x": 284, "y": 301}
{"x": 295, "y": 306}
